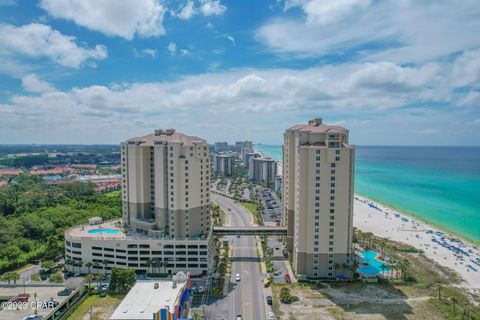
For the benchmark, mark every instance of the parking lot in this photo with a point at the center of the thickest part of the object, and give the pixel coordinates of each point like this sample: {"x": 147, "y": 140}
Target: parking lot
{"x": 272, "y": 211}
{"x": 44, "y": 299}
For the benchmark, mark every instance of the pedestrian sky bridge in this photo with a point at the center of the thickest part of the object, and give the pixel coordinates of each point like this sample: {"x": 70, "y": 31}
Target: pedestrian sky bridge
{"x": 250, "y": 231}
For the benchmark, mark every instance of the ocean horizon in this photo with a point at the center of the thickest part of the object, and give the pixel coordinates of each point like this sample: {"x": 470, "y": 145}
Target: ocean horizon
{"x": 438, "y": 184}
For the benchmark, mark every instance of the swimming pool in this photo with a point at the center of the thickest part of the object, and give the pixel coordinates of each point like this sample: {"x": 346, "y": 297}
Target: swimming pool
{"x": 374, "y": 266}
{"x": 107, "y": 231}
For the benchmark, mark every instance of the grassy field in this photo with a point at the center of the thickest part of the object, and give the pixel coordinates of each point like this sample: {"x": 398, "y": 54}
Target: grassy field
{"x": 102, "y": 307}
{"x": 252, "y": 207}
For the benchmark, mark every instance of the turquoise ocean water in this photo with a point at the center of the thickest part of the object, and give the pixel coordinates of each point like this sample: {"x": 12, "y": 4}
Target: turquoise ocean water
{"x": 440, "y": 185}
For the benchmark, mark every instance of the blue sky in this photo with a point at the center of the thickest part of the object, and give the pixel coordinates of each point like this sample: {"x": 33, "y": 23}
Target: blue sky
{"x": 90, "y": 71}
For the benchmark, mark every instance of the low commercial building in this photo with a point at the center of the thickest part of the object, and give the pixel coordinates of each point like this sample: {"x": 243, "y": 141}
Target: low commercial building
{"x": 157, "y": 300}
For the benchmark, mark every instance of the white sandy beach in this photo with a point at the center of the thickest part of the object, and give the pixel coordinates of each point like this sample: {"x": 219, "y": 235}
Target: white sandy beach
{"x": 389, "y": 223}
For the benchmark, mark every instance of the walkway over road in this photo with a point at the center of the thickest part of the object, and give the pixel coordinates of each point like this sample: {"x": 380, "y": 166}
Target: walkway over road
{"x": 253, "y": 230}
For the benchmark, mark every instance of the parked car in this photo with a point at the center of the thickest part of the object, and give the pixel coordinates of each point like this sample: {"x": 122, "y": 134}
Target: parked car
{"x": 43, "y": 276}
{"x": 36, "y": 262}
{"x": 239, "y": 317}
{"x": 33, "y": 317}
{"x": 51, "y": 303}
{"x": 271, "y": 316}
{"x": 237, "y": 277}
{"x": 287, "y": 278}
{"x": 269, "y": 300}
{"x": 22, "y": 297}
{"x": 64, "y": 293}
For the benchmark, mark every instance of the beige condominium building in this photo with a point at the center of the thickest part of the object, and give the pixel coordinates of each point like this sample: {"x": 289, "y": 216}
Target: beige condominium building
{"x": 223, "y": 163}
{"x": 165, "y": 211}
{"x": 318, "y": 173}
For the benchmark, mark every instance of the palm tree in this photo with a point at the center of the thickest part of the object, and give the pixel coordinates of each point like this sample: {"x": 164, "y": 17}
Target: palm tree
{"x": 104, "y": 263}
{"x": 79, "y": 265}
{"x": 96, "y": 265}
{"x": 69, "y": 262}
{"x": 149, "y": 264}
{"x": 454, "y": 302}
{"x": 89, "y": 266}
{"x": 384, "y": 267}
{"x": 196, "y": 316}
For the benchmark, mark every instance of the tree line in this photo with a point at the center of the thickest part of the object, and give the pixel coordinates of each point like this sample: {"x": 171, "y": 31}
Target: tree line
{"x": 34, "y": 216}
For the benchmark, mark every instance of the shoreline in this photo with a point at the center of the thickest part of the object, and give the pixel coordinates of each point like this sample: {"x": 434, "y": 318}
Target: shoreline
{"x": 387, "y": 222}
{"x": 412, "y": 215}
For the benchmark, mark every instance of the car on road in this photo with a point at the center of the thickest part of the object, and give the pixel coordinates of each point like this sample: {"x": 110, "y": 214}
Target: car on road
{"x": 239, "y": 317}
{"x": 277, "y": 247}
{"x": 237, "y": 277}
{"x": 271, "y": 316}
{"x": 269, "y": 300}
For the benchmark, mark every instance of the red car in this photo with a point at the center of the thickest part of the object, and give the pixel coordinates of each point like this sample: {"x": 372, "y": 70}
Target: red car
{"x": 287, "y": 278}
{"x": 22, "y": 298}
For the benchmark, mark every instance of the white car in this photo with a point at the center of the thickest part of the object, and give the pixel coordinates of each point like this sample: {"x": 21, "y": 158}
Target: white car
{"x": 271, "y": 316}
{"x": 237, "y": 277}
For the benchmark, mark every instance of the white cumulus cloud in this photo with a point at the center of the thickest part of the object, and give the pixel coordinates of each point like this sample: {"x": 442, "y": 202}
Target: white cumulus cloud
{"x": 187, "y": 12}
{"x": 33, "y": 84}
{"x": 172, "y": 48}
{"x": 125, "y": 18}
{"x": 466, "y": 69}
{"x": 212, "y": 8}
{"x": 388, "y": 30}
{"x": 39, "y": 40}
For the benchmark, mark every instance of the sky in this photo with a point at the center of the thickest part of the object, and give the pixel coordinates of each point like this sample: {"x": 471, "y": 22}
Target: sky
{"x": 393, "y": 72}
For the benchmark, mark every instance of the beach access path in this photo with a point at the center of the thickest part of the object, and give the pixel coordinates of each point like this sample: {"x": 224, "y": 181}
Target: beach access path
{"x": 370, "y": 216}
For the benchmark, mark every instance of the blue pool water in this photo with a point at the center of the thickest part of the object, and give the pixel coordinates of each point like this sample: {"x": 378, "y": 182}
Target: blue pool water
{"x": 107, "y": 231}
{"x": 374, "y": 266}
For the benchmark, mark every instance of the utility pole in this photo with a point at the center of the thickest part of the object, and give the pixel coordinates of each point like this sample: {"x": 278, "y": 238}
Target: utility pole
{"x": 90, "y": 312}
{"x": 36, "y": 308}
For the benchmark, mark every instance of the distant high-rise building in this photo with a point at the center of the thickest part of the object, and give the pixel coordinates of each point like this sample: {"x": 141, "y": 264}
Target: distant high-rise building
{"x": 223, "y": 163}
{"x": 221, "y": 146}
{"x": 318, "y": 173}
{"x": 247, "y": 157}
{"x": 263, "y": 170}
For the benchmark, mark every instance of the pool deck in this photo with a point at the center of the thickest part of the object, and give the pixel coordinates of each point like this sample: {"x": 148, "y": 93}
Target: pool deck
{"x": 82, "y": 231}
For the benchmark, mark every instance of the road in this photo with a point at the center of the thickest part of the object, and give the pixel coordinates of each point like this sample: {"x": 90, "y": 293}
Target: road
{"x": 246, "y": 296}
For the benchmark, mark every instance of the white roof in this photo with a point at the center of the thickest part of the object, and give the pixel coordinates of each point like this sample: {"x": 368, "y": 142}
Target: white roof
{"x": 143, "y": 300}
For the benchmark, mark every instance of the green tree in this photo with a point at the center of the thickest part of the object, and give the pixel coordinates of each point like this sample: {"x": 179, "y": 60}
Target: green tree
{"x": 122, "y": 280}
{"x": 286, "y": 297}
{"x": 48, "y": 264}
